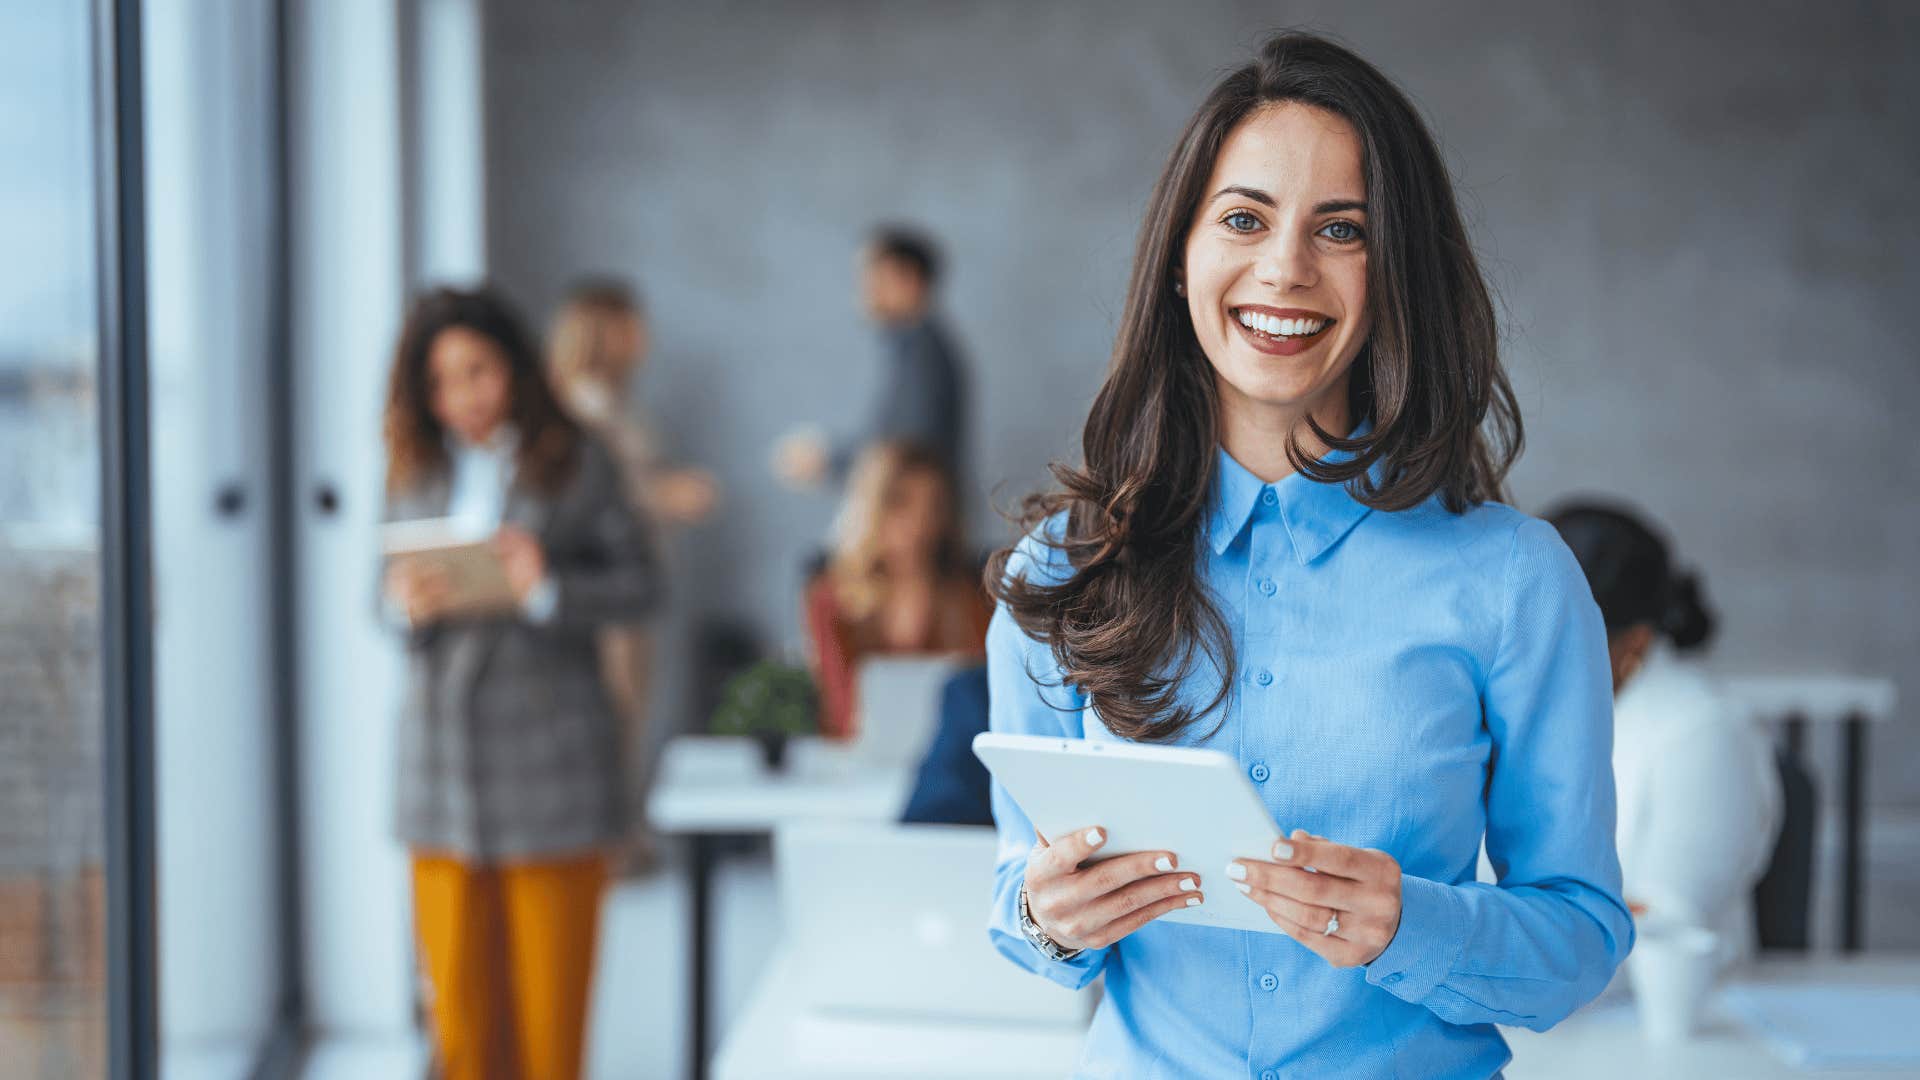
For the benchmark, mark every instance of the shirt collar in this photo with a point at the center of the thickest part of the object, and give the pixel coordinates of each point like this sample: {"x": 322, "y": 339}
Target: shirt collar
{"x": 1316, "y": 515}
{"x": 502, "y": 444}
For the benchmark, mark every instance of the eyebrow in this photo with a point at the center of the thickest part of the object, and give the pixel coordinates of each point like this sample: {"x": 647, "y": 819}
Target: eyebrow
{"x": 1331, "y": 206}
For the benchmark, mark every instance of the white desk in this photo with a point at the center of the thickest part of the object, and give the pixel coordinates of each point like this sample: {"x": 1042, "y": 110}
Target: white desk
{"x": 779, "y": 1039}
{"x": 1603, "y": 1041}
{"x": 716, "y": 784}
{"x": 714, "y": 787}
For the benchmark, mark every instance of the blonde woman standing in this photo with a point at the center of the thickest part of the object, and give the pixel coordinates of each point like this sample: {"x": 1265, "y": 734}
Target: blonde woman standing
{"x": 599, "y": 345}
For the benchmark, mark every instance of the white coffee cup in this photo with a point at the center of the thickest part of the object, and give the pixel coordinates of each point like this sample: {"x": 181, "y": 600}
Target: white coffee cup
{"x": 1671, "y": 970}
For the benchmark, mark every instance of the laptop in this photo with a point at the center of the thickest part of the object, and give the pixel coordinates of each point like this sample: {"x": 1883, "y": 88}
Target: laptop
{"x": 890, "y": 922}
{"x": 898, "y": 699}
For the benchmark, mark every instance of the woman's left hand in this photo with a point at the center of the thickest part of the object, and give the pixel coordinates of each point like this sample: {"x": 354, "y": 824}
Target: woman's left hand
{"x": 1359, "y": 885}
{"x": 521, "y": 558}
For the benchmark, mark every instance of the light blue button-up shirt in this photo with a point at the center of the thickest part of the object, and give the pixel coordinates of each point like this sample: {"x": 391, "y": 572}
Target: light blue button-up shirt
{"x": 1414, "y": 681}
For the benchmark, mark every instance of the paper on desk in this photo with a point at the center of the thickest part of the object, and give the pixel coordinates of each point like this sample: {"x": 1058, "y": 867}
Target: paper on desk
{"x": 1827, "y": 1027}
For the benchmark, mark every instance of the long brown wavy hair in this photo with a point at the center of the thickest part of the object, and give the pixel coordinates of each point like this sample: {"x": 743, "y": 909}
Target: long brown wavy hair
{"x": 1131, "y": 622}
{"x": 416, "y": 440}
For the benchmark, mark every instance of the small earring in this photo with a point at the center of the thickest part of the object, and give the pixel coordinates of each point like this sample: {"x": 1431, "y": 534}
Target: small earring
{"x": 1179, "y": 288}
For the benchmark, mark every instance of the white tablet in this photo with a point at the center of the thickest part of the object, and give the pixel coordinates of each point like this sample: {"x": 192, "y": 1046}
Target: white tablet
{"x": 1194, "y": 803}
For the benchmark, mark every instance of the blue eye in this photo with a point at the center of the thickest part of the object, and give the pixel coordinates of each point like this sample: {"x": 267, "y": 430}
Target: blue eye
{"x": 1344, "y": 232}
{"x": 1241, "y": 221}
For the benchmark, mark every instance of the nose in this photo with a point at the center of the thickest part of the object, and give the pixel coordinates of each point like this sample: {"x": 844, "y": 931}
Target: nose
{"x": 1287, "y": 261}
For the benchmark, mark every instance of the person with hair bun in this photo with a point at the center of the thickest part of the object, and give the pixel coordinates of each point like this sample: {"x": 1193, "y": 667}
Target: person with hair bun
{"x": 1699, "y": 794}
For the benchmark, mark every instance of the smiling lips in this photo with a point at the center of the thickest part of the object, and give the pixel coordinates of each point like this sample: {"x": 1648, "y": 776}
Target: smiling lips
{"x": 1280, "y": 331}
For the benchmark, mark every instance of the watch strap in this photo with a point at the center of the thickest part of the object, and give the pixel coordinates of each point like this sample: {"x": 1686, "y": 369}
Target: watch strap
{"x": 1037, "y": 937}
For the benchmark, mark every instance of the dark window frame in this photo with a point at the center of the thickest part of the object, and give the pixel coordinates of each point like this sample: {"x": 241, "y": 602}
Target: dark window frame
{"x": 126, "y": 563}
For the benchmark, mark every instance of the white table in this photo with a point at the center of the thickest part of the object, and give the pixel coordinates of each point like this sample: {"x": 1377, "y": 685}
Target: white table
{"x": 1603, "y": 1041}
{"x": 1853, "y": 703}
{"x": 778, "y": 1038}
{"x": 710, "y": 788}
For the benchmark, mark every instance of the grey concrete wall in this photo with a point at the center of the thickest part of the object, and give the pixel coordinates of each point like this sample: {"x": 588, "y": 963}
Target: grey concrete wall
{"x": 1700, "y": 221}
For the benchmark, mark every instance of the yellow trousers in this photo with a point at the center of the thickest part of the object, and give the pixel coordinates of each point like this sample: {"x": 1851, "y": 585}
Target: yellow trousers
{"x": 508, "y": 953}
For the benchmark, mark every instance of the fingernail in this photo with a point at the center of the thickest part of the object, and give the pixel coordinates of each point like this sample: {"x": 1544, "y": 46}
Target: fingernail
{"x": 1187, "y": 885}
{"x": 1193, "y": 901}
{"x": 1282, "y": 849}
{"x": 1237, "y": 871}
{"x": 1243, "y": 886}
{"x": 1094, "y": 837}
{"x": 1163, "y": 864}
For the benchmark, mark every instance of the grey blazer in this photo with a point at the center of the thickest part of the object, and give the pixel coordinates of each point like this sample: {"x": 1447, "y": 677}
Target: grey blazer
{"x": 509, "y": 746}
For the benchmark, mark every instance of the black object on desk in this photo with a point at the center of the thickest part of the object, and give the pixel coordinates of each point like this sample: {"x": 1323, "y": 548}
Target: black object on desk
{"x": 1783, "y": 898}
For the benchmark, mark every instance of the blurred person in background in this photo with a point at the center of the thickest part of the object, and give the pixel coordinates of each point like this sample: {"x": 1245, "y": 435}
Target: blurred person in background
{"x": 1699, "y": 794}
{"x": 923, "y": 393}
{"x": 899, "y": 579}
{"x": 598, "y": 348}
{"x": 510, "y": 793}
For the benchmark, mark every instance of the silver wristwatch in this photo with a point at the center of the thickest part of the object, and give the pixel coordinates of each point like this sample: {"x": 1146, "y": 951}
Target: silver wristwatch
{"x": 1037, "y": 937}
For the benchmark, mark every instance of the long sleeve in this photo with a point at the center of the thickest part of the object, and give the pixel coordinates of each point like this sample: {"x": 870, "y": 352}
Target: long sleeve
{"x": 1547, "y": 938}
{"x": 386, "y": 611}
{"x": 1025, "y": 698}
{"x": 610, "y": 572}
{"x": 922, "y": 400}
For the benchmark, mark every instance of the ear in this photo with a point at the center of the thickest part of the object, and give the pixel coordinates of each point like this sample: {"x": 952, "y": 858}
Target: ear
{"x": 1628, "y": 650}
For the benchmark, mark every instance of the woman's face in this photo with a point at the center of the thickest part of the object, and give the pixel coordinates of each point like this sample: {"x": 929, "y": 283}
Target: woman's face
{"x": 914, "y": 516}
{"x": 627, "y": 344}
{"x": 469, "y": 385}
{"x": 1276, "y": 263}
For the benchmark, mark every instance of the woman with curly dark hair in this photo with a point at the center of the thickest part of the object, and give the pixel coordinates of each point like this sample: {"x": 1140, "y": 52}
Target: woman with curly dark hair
{"x": 510, "y": 779}
{"x": 1284, "y": 544}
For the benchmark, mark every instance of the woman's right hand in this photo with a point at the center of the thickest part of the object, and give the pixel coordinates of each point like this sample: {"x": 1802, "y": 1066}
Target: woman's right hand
{"x": 1095, "y": 906}
{"x": 419, "y": 590}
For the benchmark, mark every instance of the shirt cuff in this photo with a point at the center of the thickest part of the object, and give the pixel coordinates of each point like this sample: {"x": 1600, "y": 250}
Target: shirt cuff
{"x": 1074, "y": 973}
{"x": 1433, "y": 930}
{"x": 542, "y": 602}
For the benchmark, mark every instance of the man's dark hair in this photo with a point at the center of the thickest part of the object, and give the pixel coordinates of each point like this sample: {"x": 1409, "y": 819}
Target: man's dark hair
{"x": 907, "y": 245}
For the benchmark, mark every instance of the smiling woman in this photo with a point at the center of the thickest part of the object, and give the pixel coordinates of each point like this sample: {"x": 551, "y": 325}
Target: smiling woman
{"x": 1283, "y": 544}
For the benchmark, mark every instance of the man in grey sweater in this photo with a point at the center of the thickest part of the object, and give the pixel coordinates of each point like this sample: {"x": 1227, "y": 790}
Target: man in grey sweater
{"x": 923, "y": 391}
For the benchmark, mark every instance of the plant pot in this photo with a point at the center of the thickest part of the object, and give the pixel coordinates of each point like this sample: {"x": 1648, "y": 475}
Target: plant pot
{"x": 773, "y": 749}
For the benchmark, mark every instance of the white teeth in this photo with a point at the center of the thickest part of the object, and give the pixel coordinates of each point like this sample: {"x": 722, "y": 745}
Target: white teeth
{"x": 1274, "y": 326}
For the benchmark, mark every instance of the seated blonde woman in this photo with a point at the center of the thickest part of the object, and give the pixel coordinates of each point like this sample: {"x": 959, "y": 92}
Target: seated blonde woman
{"x": 899, "y": 579}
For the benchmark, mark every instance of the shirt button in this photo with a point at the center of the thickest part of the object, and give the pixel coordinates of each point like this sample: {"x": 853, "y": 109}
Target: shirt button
{"x": 1267, "y": 587}
{"x": 1269, "y": 1074}
{"x": 1259, "y": 772}
{"x": 1265, "y": 678}
{"x": 1392, "y": 979}
{"x": 1269, "y": 497}
{"x": 1269, "y": 982}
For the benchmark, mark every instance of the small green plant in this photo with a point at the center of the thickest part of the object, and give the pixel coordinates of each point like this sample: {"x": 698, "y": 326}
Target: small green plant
{"x": 768, "y": 699}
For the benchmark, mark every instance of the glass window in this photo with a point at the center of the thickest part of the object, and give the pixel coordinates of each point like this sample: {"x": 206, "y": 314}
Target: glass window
{"x": 52, "y": 895}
